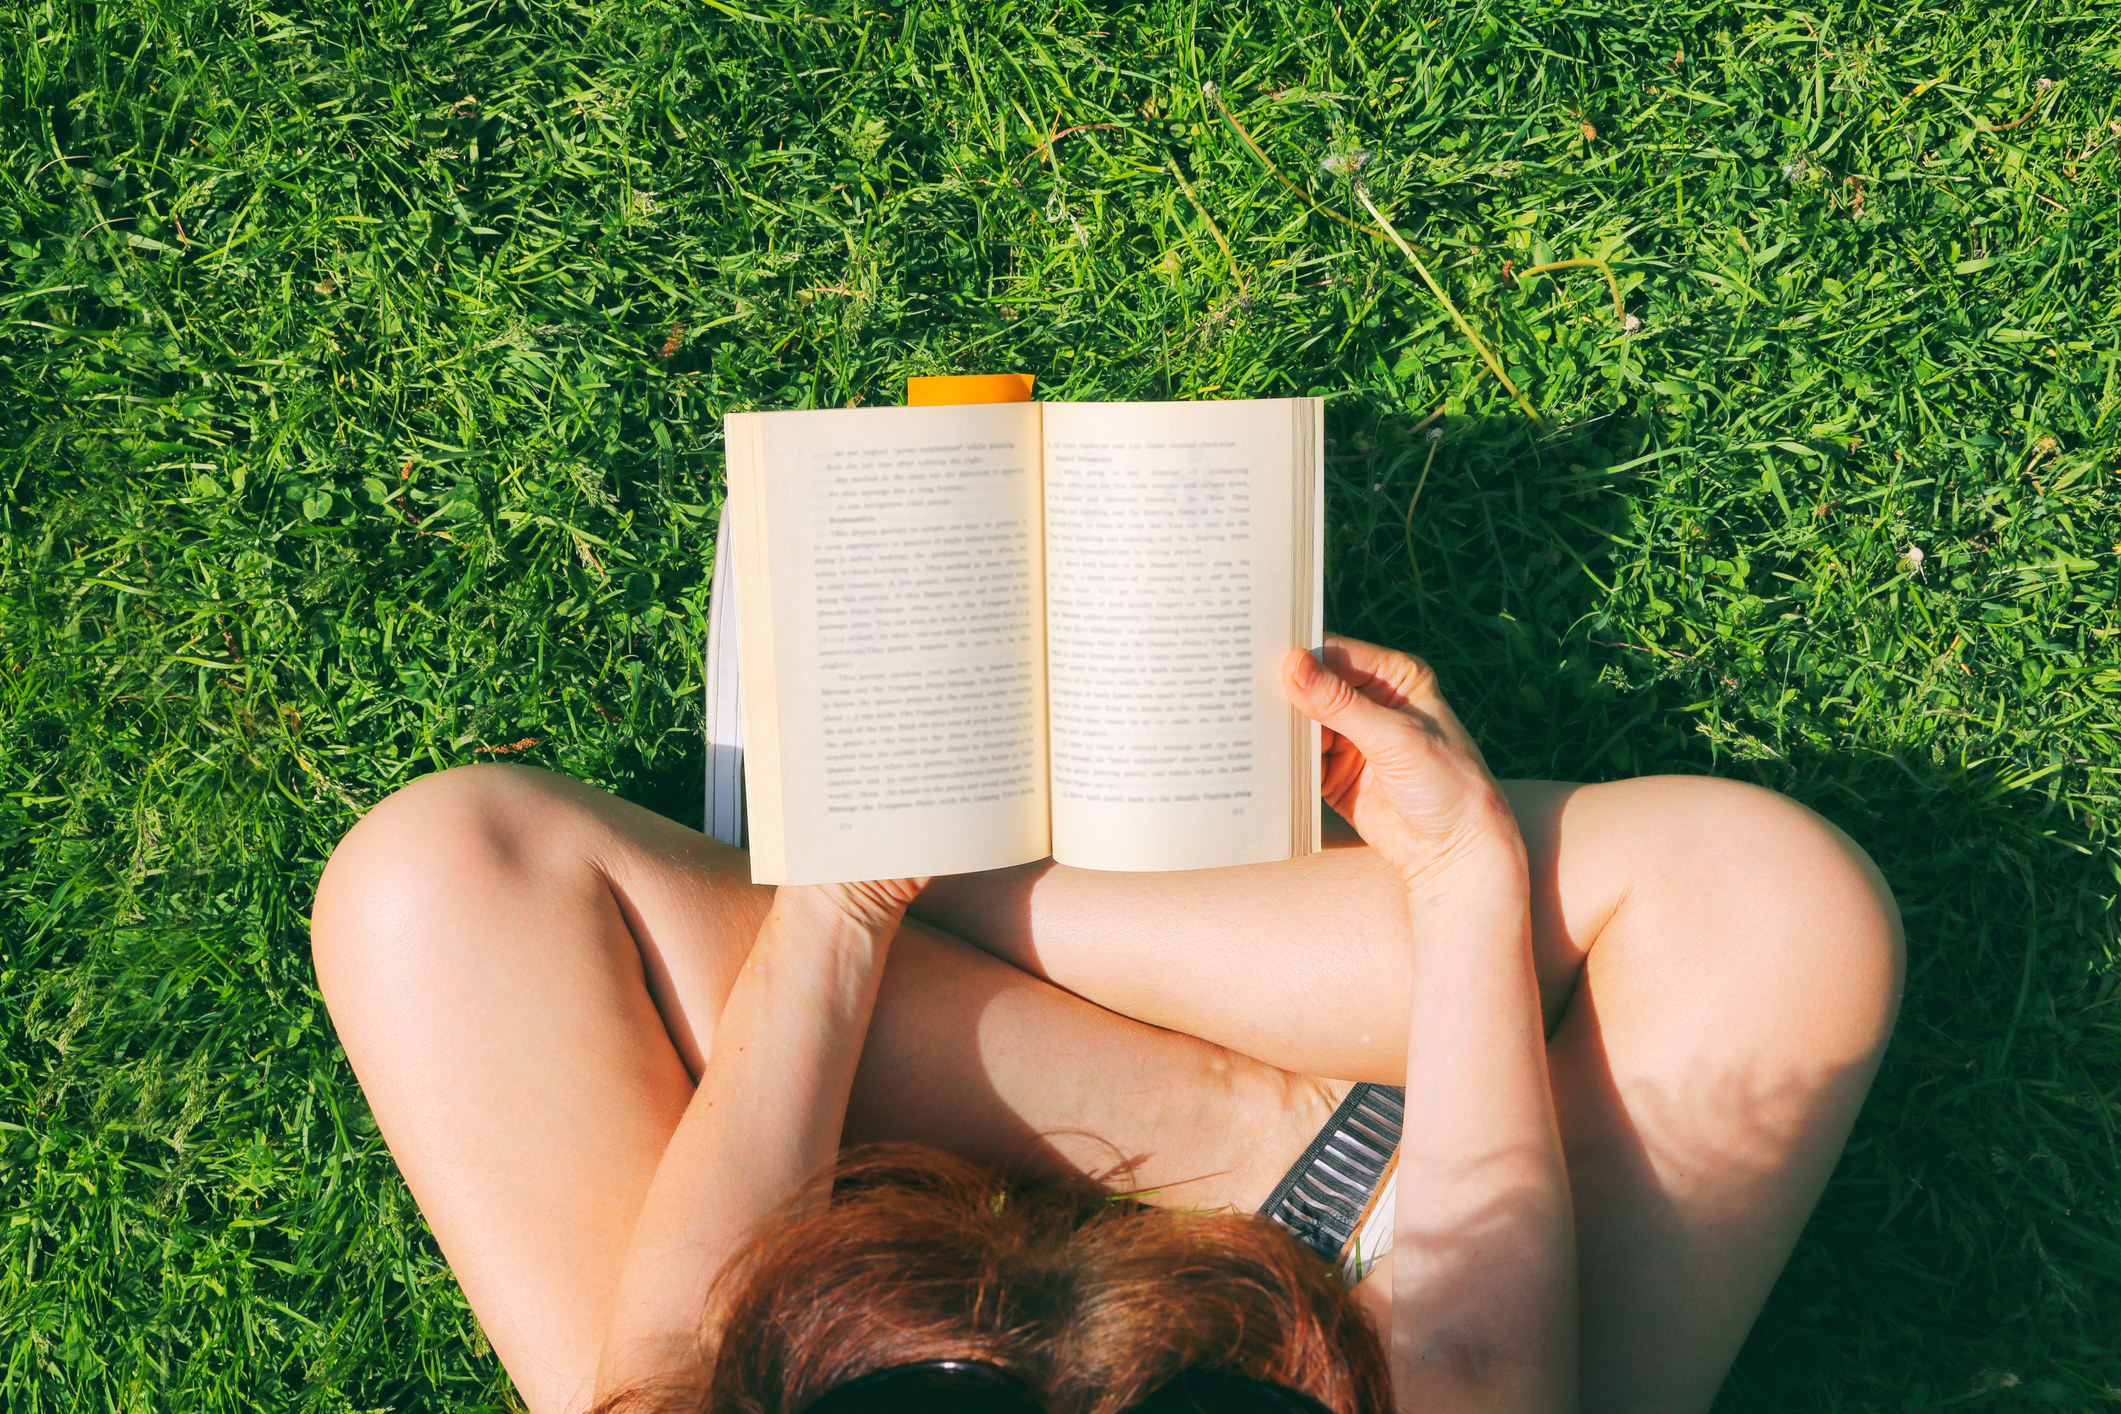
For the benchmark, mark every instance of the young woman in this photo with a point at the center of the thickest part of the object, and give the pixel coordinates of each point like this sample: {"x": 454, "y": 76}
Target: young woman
{"x": 1634, "y": 1023}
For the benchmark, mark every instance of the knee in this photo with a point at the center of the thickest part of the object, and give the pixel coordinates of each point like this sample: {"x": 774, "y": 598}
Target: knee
{"x": 448, "y": 836}
{"x": 1783, "y": 891}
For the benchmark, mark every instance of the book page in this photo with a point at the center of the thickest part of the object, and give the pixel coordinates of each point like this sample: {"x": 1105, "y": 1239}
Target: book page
{"x": 890, "y": 588}
{"x": 1182, "y": 565}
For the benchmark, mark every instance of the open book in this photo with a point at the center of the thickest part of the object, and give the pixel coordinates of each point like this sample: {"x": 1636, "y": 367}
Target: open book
{"x": 968, "y": 637}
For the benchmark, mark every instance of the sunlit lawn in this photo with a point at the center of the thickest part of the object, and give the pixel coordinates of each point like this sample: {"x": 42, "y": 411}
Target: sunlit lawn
{"x": 361, "y": 374}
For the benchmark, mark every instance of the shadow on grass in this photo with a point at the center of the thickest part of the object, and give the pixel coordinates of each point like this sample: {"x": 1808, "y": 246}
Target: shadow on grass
{"x": 1975, "y": 1202}
{"x": 1975, "y": 1208}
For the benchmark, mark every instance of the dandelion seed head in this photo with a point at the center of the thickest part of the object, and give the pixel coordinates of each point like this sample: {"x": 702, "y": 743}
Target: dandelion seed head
{"x": 1435, "y": 434}
{"x": 1631, "y": 323}
{"x": 1913, "y": 557}
{"x": 2043, "y": 84}
{"x": 1793, "y": 169}
{"x": 1346, "y": 164}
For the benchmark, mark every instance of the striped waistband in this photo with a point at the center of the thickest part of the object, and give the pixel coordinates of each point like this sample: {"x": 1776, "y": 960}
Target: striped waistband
{"x": 1335, "y": 1195}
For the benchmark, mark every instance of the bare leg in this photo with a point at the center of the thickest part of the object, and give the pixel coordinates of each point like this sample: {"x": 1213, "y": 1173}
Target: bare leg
{"x": 1720, "y": 970}
{"x": 526, "y": 974}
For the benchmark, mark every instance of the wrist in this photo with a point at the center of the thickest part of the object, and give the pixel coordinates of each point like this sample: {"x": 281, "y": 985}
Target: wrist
{"x": 1494, "y": 855}
{"x": 836, "y": 908}
{"x": 813, "y": 943}
{"x": 1489, "y": 873}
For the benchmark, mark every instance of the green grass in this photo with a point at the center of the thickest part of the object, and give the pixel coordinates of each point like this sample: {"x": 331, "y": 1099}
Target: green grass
{"x": 360, "y": 381}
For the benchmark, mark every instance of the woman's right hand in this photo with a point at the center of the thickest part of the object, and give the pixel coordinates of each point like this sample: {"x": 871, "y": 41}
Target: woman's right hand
{"x": 877, "y": 905}
{"x": 1398, "y": 766}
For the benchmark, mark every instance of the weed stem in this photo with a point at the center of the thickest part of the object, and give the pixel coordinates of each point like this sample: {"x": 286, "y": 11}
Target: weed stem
{"x": 1487, "y": 354}
{"x": 1217, "y": 231}
{"x": 1215, "y": 94}
{"x": 1620, "y": 309}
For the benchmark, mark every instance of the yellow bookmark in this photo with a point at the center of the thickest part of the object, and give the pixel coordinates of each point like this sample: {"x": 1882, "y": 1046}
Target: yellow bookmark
{"x": 970, "y": 388}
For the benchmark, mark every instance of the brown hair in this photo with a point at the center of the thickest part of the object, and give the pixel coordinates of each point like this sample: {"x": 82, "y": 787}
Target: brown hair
{"x": 1094, "y": 1300}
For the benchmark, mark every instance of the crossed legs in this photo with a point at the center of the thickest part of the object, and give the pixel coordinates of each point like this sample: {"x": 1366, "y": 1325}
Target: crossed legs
{"x": 526, "y": 972}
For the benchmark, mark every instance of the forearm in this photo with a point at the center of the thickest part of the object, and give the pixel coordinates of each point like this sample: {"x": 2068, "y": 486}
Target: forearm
{"x": 1484, "y": 1279}
{"x": 766, "y": 1117}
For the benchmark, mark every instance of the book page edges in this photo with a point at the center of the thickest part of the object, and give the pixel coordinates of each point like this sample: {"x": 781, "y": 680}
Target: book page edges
{"x": 1307, "y": 826}
{"x": 768, "y": 820}
{"x": 723, "y": 804}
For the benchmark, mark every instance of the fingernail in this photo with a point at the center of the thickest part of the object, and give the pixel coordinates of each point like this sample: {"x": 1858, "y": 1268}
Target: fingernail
{"x": 1308, "y": 672}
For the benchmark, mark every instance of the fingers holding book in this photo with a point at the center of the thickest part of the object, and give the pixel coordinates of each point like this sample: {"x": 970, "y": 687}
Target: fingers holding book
{"x": 1398, "y": 765}
{"x": 875, "y": 905}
